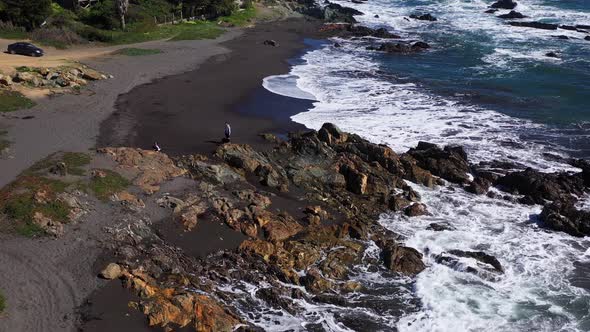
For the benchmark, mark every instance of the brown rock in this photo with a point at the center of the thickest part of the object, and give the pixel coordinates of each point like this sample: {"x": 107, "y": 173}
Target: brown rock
{"x": 98, "y": 173}
{"x": 315, "y": 282}
{"x": 112, "y": 271}
{"x": 129, "y": 199}
{"x": 416, "y": 209}
{"x": 281, "y": 228}
{"x": 50, "y": 226}
{"x": 356, "y": 181}
{"x": 151, "y": 167}
{"x": 189, "y": 217}
{"x": 91, "y": 75}
{"x": 5, "y": 80}
{"x": 42, "y": 196}
{"x": 404, "y": 260}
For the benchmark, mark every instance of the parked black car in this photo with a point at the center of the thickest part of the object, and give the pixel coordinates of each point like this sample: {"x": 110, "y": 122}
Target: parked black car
{"x": 25, "y": 49}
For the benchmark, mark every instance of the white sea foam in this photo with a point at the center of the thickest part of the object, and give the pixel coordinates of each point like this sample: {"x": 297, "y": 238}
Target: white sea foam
{"x": 534, "y": 294}
{"x": 285, "y": 85}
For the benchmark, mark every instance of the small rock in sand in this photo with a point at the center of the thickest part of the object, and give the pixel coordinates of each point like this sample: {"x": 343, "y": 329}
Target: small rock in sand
{"x": 112, "y": 271}
{"x": 271, "y": 42}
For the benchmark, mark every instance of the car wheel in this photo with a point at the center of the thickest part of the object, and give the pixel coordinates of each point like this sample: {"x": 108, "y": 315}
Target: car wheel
{"x": 33, "y": 54}
{"x": 12, "y": 52}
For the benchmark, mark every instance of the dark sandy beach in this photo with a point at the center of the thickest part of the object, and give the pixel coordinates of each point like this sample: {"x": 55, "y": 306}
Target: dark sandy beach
{"x": 185, "y": 113}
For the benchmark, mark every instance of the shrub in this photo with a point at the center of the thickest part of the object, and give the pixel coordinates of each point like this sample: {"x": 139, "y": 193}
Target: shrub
{"x": 103, "y": 15}
{"x": 11, "y": 31}
{"x": 26, "y": 13}
{"x": 94, "y": 34}
{"x": 57, "y": 37}
{"x": 218, "y": 8}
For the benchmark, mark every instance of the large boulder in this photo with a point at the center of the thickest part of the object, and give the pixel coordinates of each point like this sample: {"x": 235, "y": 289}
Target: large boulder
{"x": 449, "y": 163}
{"x": 487, "y": 266}
{"x": 5, "y": 80}
{"x": 404, "y": 260}
{"x": 563, "y": 216}
{"x": 512, "y": 15}
{"x": 424, "y": 17}
{"x": 401, "y": 48}
{"x": 540, "y": 187}
{"x": 354, "y": 30}
{"x": 336, "y": 13}
{"x": 536, "y": 25}
{"x": 504, "y": 4}
{"x": 111, "y": 271}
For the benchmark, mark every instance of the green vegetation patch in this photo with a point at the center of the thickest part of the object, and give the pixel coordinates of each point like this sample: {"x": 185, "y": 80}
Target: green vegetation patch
{"x": 196, "y": 30}
{"x": 184, "y": 31}
{"x": 104, "y": 186}
{"x": 34, "y": 192}
{"x": 240, "y": 18}
{"x": 20, "y": 200}
{"x": 13, "y": 34}
{"x": 131, "y": 51}
{"x": 75, "y": 162}
{"x": 12, "y": 101}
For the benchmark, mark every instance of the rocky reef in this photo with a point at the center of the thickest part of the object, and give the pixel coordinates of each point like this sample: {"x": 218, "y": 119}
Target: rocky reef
{"x": 305, "y": 213}
{"x": 59, "y": 78}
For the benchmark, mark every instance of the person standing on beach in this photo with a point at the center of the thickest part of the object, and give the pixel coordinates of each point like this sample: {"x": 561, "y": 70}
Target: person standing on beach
{"x": 227, "y": 131}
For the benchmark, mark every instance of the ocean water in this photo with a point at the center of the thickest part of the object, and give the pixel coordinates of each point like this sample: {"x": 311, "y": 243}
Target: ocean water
{"x": 489, "y": 87}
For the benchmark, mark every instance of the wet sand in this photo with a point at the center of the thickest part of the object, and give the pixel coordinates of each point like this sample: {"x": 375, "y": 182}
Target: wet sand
{"x": 186, "y": 113}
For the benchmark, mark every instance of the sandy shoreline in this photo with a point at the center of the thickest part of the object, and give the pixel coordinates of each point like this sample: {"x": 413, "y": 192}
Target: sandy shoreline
{"x": 71, "y": 122}
{"x": 185, "y": 113}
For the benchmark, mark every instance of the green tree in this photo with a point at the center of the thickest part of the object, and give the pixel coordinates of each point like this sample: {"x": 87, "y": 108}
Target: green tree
{"x": 26, "y": 13}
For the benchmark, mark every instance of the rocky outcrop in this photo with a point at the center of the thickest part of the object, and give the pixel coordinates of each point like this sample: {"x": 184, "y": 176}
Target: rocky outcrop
{"x": 450, "y": 163}
{"x": 149, "y": 168}
{"x": 536, "y": 25}
{"x": 336, "y": 13}
{"x": 479, "y": 186}
{"x": 53, "y": 78}
{"x": 354, "y": 30}
{"x": 552, "y": 55}
{"x": 540, "y": 187}
{"x": 487, "y": 265}
{"x": 512, "y": 15}
{"x": 402, "y": 259}
{"x": 401, "y": 48}
{"x": 423, "y": 17}
{"x": 562, "y": 215}
{"x": 504, "y": 4}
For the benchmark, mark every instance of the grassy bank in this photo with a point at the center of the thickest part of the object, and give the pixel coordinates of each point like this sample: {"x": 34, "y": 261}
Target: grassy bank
{"x": 11, "y": 101}
{"x": 184, "y": 31}
{"x": 240, "y": 18}
{"x": 131, "y": 51}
